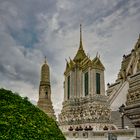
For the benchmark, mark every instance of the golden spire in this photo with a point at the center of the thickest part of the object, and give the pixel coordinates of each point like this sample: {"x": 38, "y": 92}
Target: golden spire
{"x": 81, "y": 45}
{"x": 80, "y": 55}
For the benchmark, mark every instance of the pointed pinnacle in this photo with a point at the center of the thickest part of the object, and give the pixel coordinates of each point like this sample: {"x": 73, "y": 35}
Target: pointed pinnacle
{"x": 81, "y": 45}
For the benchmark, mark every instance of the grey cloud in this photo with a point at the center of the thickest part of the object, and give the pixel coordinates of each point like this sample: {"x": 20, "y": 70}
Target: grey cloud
{"x": 93, "y": 12}
{"x": 19, "y": 20}
{"x": 14, "y": 64}
{"x": 20, "y": 17}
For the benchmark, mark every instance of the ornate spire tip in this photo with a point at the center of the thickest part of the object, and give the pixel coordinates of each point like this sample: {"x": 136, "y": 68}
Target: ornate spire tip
{"x": 81, "y": 46}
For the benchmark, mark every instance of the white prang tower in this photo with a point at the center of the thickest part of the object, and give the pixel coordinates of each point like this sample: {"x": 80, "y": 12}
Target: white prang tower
{"x": 85, "y": 105}
{"x": 44, "y": 102}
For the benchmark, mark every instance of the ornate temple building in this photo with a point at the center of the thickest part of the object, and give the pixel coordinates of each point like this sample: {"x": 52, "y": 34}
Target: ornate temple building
{"x": 91, "y": 112}
{"x": 44, "y": 102}
{"x": 85, "y": 105}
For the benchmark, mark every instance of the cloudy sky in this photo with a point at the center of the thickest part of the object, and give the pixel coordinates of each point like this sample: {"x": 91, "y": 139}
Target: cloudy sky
{"x": 31, "y": 29}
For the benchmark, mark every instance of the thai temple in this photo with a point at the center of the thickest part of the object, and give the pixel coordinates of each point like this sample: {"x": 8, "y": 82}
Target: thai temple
{"x": 89, "y": 111}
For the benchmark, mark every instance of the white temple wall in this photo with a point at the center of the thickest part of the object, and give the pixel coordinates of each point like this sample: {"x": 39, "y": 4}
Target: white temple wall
{"x": 95, "y": 138}
{"x": 120, "y": 134}
{"x": 103, "y": 138}
{"x": 120, "y": 97}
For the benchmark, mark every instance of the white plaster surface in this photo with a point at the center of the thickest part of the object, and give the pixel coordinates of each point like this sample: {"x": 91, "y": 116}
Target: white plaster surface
{"x": 120, "y": 97}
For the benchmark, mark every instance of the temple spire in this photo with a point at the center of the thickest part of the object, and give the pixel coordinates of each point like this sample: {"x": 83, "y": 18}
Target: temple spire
{"x": 81, "y": 45}
{"x": 80, "y": 55}
{"x": 44, "y": 102}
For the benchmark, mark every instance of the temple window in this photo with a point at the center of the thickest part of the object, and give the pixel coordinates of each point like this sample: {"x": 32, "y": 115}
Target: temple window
{"x": 68, "y": 89}
{"x": 98, "y": 83}
{"x": 46, "y": 94}
{"x": 86, "y": 83}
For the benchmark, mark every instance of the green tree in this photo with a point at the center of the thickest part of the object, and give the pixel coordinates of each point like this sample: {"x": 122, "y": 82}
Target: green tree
{"x": 21, "y": 120}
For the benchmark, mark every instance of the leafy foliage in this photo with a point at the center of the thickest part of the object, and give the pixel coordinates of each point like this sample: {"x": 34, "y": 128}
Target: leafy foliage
{"x": 20, "y": 120}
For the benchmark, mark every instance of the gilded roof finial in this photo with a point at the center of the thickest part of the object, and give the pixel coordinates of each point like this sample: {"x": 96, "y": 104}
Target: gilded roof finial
{"x": 80, "y": 55}
{"x": 45, "y": 61}
{"x": 81, "y": 45}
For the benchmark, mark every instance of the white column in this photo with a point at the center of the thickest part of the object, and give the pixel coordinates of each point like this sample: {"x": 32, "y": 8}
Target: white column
{"x": 75, "y": 83}
{"x": 102, "y": 83}
{"x": 70, "y": 84}
{"x": 89, "y": 81}
{"x": 81, "y": 93}
{"x": 83, "y": 86}
{"x": 79, "y": 83}
{"x": 94, "y": 81}
{"x": 65, "y": 89}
